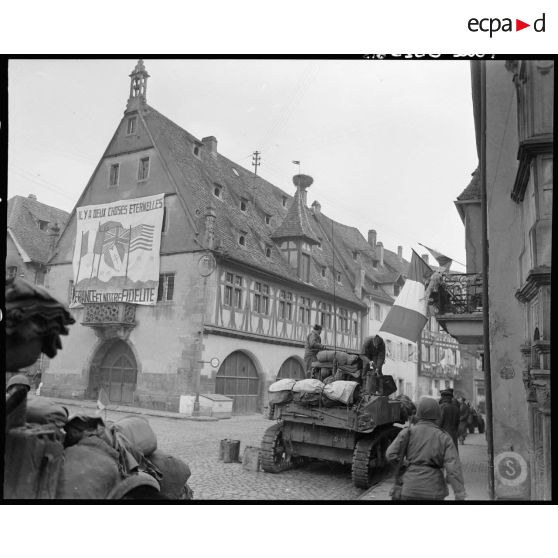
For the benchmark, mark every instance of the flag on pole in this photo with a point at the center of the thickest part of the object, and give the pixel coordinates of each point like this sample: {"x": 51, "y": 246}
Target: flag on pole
{"x": 443, "y": 261}
{"x": 296, "y": 162}
{"x": 102, "y": 399}
{"x": 408, "y": 315}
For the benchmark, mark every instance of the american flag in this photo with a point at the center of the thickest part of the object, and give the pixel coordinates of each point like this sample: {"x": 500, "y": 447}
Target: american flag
{"x": 142, "y": 237}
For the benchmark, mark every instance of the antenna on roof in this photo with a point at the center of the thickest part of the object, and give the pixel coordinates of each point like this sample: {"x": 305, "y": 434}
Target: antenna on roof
{"x": 255, "y": 163}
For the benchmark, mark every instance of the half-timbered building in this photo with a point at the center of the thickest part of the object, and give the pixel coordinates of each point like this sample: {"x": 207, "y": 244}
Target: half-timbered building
{"x": 246, "y": 269}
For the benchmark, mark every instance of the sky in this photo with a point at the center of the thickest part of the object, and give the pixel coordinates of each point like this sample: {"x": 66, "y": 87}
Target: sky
{"x": 390, "y": 144}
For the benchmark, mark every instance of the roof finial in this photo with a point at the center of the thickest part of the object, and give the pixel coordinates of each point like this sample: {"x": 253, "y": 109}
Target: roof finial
{"x": 138, "y": 86}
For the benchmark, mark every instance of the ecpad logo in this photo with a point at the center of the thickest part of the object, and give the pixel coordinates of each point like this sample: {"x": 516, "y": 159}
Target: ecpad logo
{"x": 494, "y": 24}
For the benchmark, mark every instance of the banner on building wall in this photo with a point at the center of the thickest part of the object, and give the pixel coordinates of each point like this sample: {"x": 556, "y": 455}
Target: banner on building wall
{"x": 116, "y": 255}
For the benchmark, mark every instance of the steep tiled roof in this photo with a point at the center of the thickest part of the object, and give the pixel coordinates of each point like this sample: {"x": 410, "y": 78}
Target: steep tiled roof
{"x": 24, "y": 215}
{"x": 196, "y": 178}
{"x": 472, "y": 192}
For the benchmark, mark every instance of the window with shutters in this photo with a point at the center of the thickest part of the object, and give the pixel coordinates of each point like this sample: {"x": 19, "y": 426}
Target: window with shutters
{"x": 165, "y": 292}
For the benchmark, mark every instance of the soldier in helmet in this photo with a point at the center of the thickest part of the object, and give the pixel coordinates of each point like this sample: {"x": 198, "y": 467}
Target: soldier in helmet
{"x": 312, "y": 348}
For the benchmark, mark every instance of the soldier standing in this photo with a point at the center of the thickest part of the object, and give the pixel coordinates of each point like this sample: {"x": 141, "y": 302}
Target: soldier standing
{"x": 312, "y": 347}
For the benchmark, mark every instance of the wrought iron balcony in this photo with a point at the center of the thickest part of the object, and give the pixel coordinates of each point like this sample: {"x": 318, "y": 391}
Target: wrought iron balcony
{"x": 461, "y": 293}
{"x": 459, "y": 305}
{"x": 109, "y": 314}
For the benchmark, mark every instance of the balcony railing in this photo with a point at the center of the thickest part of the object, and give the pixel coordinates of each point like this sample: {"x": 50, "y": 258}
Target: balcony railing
{"x": 460, "y": 293}
{"x": 100, "y": 314}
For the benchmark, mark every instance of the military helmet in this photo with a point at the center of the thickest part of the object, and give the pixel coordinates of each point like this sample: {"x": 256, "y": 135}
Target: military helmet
{"x": 19, "y": 379}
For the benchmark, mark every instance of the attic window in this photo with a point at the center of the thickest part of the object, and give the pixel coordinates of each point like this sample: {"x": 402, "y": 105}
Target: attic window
{"x": 43, "y": 225}
{"x": 242, "y": 238}
{"x": 217, "y": 190}
{"x": 267, "y": 219}
{"x": 323, "y": 271}
{"x": 143, "y": 169}
{"x": 235, "y": 172}
{"x": 196, "y": 150}
{"x": 243, "y": 204}
{"x": 113, "y": 175}
{"x": 285, "y": 199}
{"x": 339, "y": 278}
{"x": 131, "y": 125}
{"x": 268, "y": 252}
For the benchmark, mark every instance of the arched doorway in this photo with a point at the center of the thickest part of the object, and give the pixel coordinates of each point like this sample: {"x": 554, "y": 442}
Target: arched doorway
{"x": 291, "y": 368}
{"x": 116, "y": 371}
{"x": 238, "y": 379}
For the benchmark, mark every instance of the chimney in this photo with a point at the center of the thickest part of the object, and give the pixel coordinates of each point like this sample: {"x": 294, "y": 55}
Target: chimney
{"x": 372, "y": 238}
{"x": 210, "y": 217}
{"x": 400, "y": 252}
{"x": 54, "y": 233}
{"x": 32, "y": 197}
{"x": 380, "y": 247}
{"x": 424, "y": 257}
{"x": 210, "y": 142}
{"x": 316, "y": 207}
{"x": 359, "y": 281}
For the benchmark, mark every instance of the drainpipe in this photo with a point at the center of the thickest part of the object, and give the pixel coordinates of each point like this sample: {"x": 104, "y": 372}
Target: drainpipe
{"x": 485, "y": 302}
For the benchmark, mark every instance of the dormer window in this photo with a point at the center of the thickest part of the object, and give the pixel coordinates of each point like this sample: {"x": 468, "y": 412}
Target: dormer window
{"x": 339, "y": 278}
{"x": 217, "y": 191}
{"x": 268, "y": 252}
{"x": 131, "y": 128}
{"x": 43, "y": 225}
{"x": 267, "y": 219}
{"x": 243, "y": 204}
{"x": 323, "y": 271}
{"x": 285, "y": 199}
{"x": 242, "y": 238}
{"x": 196, "y": 150}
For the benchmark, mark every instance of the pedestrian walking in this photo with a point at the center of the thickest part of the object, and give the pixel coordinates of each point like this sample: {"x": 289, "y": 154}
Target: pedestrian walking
{"x": 429, "y": 451}
{"x": 312, "y": 348}
{"x": 463, "y": 420}
{"x": 449, "y": 420}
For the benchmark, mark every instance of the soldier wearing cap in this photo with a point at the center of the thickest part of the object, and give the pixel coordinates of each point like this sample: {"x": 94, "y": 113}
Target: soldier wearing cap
{"x": 312, "y": 347}
{"x": 449, "y": 420}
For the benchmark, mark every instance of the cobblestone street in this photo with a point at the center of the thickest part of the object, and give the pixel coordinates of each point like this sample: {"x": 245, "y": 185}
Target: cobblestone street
{"x": 198, "y": 444}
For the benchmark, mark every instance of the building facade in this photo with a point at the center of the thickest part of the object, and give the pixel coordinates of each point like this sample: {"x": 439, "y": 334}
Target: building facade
{"x": 33, "y": 230}
{"x": 246, "y": 269}
{"x": 513, "y": 110}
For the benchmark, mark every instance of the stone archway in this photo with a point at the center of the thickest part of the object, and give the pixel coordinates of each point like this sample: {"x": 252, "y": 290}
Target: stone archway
{"x": 114, "y": 367}
{"x": 238, "y": 379}
{"x": 292, "y": 368}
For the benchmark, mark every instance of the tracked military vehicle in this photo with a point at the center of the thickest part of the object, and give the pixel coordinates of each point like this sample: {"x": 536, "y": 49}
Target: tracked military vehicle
{"x": 356, "y": 432}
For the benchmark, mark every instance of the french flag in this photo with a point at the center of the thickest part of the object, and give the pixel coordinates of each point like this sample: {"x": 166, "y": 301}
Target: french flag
{"x": 408, "y": 315}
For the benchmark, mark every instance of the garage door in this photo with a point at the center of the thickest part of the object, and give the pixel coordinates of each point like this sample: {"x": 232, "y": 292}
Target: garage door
{"x": 291, "y": 368}
{"x": 238, "y": 379}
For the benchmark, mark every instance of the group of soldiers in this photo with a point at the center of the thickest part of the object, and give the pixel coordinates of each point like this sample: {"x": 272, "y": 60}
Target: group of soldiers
{"x": 373, "y": 351}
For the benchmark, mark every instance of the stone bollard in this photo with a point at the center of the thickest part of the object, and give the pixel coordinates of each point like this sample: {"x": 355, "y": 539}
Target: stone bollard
{"x": 251, "y": 459}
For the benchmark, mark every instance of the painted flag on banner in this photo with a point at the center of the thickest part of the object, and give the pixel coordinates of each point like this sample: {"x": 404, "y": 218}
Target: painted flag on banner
{"x": 443, "y": 261}
{"x": 407, "y": 316}
{"x": 102, "y": 400}
{"x": 142, "y": 237}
